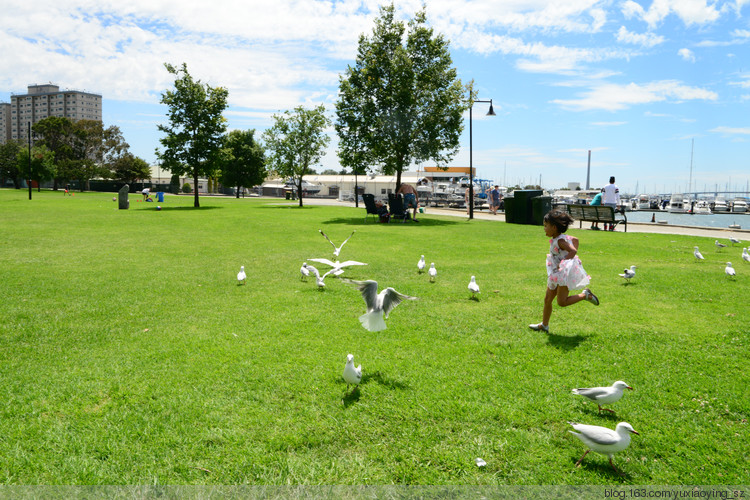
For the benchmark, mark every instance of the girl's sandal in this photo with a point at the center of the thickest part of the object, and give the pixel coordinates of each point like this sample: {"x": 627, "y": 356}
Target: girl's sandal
{"x": 539, "y": 327}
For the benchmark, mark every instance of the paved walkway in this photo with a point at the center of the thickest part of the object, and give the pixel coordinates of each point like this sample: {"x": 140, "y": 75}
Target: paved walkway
{"x": 634, "y": 227}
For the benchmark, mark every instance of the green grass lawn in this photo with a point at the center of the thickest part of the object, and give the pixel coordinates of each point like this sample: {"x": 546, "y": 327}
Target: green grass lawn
{"x": 131, "y": 356}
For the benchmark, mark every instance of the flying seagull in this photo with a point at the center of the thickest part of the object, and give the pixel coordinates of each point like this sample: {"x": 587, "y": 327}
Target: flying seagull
{"x": 241, "y": 277}
{"x": 628, "y": 274}
{"x": 730, "y": 270}
{"x": 745, "y": 255}
{"x": 336, "y": 251}
{"x": 603, "y": 440}
{"x": 304, "y": 271}
{"x": 318, "y": 278}
{"x": 719, "y": 246}
{"x": 338, "y": 267}
{"x": 352, "y": 375}
{"x": 377, "y": 303}
{"x": 420, "y": 265}
{"x": 432, "y": 272}
{"x": 697, "y": 254}
{"x": 473, "y": 288}
{"x": 604, "y": 395}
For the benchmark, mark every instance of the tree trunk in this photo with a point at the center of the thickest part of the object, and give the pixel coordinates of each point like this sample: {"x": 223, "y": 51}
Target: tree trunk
{"x": 299, "y": 191}
{"x": 238, "y": 192}
{"x": 196, "y": 203}
{"x": 398, "y": 178}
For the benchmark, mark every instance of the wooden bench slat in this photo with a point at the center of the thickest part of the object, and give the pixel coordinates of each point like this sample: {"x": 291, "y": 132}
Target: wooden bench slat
{"x": 596, "y": 213}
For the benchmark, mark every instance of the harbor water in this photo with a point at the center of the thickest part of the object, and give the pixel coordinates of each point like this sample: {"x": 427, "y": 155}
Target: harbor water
{"x": 723, "y": 220}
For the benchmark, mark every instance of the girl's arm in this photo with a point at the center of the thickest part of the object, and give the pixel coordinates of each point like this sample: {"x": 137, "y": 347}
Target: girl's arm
{"x": 571, "y": 248}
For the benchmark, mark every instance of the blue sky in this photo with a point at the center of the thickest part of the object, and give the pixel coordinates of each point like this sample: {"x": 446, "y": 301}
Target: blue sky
{"x": 635, "y": 82}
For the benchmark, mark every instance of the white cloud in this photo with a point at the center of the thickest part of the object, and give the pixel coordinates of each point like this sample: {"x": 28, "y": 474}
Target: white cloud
{"x": 690, "y": 12}
{"x": 731, "y": 130}
{"x": 642, "y": 39}
{"x": 686, "y": 55}
{"x": 614, "y": 97}
{"x": 608, "y": 124}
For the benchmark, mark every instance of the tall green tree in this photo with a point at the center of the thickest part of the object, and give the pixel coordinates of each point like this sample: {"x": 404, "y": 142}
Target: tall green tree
{"x": 296, "y": 142}
{"x": 9, "y": 163}
{"x": 402, "y": 101}
{"x": 194, "y": 133}
{"x": 42, "y": 164}
{"x": 128, "y": 167}
{"x": 58, "y": 135}
{"x": 243, "y": 163}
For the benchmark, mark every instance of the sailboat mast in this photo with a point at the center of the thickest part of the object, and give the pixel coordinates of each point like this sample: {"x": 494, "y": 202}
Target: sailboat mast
{"x": 692, "y": 144}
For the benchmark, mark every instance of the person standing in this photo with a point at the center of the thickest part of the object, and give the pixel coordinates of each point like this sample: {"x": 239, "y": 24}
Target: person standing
{"x": 611, "y": 198}
{"x": 410, "y": 198}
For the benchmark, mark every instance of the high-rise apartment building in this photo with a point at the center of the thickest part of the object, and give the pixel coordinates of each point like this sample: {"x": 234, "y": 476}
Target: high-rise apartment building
{"x": 43, "y": 101}
{"x": 4, "y": 122}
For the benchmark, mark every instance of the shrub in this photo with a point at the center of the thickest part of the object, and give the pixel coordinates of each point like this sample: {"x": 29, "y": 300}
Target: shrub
{"x": 187, "y": 188}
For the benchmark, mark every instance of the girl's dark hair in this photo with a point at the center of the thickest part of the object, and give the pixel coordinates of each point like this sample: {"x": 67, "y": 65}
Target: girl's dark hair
{"x": 561, "y": 220}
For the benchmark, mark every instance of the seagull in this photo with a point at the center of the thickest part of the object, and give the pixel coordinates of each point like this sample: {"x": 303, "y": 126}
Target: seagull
{"x": 604, "y": 395}
{"x": 432, "y": 272}
{"x": 352, "y": 375}
{"x": 377, "y": 303}
{"x": 304, "y": 271}
{"x": 420, "y": 265}
{"x": 603, "y": 440}
{"x": 318, "y": 278}
{"x": 338, "y": 266}
{"x": 697, "y": 254}
{"x": 745, "y": 255}
{"x": 629, "y": 273}
{"x": 719, "y": 246}
{"x": 473, "y": 288}
{"x": 336, "y": 251}
{"x": 241, "y": 277}
{"x": 730, "y": 270}
{"x": 733, "y": 240}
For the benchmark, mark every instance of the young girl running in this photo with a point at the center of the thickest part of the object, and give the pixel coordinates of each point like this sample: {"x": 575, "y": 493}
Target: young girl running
{"x": 564, "y": 268}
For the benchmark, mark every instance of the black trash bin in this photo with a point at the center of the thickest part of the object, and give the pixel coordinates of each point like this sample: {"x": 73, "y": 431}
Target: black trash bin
{"x": 523, "y": 209}
{"x": 540, "y": 205}
{"x": 510, "y": 210}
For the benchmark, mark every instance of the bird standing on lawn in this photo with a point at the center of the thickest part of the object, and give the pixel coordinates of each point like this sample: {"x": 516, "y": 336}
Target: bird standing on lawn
{"x": 745, "y": 255}
{"x": 603, "y": 440}
{"x": 432, "y": 272}
{"x": 352, "y": 375}
{"x": 604, "y": 395}
{"x": 241, "y": 276}
{"x": 473, "y": 288}
{"x": 698, "y": 255}
{"x": 719, "y": 246}
{"x": 378, "y": 304}
{"x": 629, "y": 274}
{"x": 729, "y": 270}
{"x": 420, "y": 265}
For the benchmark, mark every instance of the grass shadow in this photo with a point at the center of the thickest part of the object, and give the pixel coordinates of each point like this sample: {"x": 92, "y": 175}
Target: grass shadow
{"x": 604, "y": 468}
{"x": 351, "y": 397}
{"x": 565, "y": 343}
{"x": 383, "y": 380}
{"x": 165, "y": 209}
{"x": 357, "y": 221}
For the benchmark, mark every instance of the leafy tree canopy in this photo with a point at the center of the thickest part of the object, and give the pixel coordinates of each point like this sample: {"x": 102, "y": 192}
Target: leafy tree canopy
{"x": 402, "y": 101}
{"x": 243, "y": 161}
{"x": 195, "y": 129}
{"x": 296, "y": 142}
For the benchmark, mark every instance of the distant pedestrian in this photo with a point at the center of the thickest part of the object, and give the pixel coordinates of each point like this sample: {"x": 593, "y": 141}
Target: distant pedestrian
{"x": 597, "y": 201}
{"x": 495, "y": 198}
{"x": 611, "y": 198}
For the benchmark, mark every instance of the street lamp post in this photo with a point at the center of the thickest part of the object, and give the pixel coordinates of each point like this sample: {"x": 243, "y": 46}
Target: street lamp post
{"x": 491, "y": 112}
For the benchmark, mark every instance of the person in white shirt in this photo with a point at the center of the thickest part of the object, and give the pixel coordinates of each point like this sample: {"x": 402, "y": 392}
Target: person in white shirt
{"x": 145, "y": 193}
{"x": 611, "y": 198}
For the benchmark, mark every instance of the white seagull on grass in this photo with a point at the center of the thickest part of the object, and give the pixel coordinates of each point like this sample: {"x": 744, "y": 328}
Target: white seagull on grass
{"x": 733, "y": 240}
{"x": 719, "y": 246}
{"x": 336, "y": 251}
{"x": 377, "y": 303}
{"x": 420, "y": 265}
{"x": 304, "y": 271}
{"x": 603, "y": 440}
{"x": 432, "y": 272}
{"x": 338, "y": 267}
{"x": 698, "y": 255}
{"x": 628, "y": 274}
{"x": 241, "y": 276}
{"x": 473, "y": 288}
{"x": 730, "y": 270}
{"x": 745, "y": 255}
{"x": 604, "y": 395}
{"x": 352, "y": 375}
{"x": 318, "y": 278}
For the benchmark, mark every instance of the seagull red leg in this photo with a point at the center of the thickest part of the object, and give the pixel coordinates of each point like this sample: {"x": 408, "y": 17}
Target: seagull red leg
{"x": 578, "y": 464}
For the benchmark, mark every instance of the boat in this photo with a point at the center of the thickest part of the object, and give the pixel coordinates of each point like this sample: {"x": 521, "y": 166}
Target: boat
{"x": 677, "y": 204}
{"x": 720, "y": 205}
{"x": 701, "y": 207}
{"x": 642, "y": 202}
{"x": 739, "y": 206}
{"x": 735, "y": 226}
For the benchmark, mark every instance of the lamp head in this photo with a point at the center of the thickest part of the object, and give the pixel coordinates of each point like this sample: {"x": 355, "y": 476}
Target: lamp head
{"x": 491, "y": 112}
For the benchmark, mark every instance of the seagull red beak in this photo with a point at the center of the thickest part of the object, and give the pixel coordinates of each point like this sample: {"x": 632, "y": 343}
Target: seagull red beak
{"x": 635, "y": 432}
{"x": 630, "y": 388}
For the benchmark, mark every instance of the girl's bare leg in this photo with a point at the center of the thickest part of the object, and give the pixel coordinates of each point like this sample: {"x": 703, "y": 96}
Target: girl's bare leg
{"x": 549, "y": 297}
{"x": 564, "y": 300}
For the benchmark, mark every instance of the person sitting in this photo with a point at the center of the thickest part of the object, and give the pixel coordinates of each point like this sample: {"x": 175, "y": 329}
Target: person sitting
{"x": 382, "y": 211}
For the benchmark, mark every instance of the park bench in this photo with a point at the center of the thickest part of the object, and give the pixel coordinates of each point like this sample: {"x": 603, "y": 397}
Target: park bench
{"x": 596, "y": 213}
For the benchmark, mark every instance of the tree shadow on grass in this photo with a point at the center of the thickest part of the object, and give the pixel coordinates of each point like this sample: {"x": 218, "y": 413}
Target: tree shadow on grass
{"x": 170, "y": 209}
{"x": 358, "y": 221}
{"x": 564, "y": 342}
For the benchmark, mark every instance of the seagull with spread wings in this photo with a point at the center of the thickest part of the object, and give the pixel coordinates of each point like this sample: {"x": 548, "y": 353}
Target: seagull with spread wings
{"x": 336, "y": 250}
{"x": 378, "y": 304}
